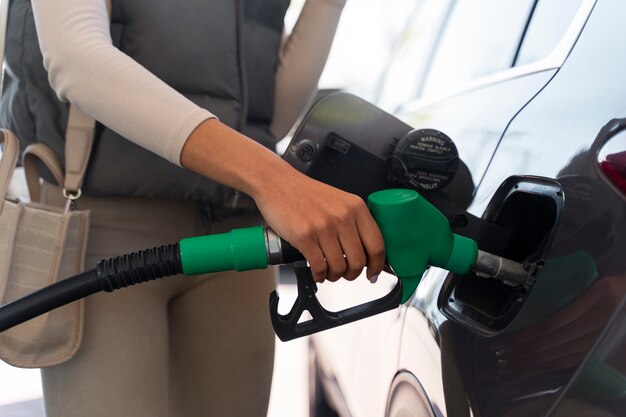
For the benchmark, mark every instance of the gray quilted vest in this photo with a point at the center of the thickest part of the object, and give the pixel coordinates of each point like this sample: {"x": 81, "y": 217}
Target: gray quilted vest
{"x": 221, "y": 54}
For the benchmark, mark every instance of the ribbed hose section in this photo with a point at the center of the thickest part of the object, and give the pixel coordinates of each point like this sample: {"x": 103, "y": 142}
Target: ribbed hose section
{"x": 138, "y": 267}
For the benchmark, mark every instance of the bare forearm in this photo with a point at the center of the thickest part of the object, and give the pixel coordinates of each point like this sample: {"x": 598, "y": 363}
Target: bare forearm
{"x": 218, "y": 152}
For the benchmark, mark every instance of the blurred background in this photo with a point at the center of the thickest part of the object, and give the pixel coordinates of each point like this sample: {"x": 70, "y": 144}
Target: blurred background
{"x": 369, "y": 33}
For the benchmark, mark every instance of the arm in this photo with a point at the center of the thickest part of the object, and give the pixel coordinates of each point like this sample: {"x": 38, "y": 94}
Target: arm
{"x": 84, "y": 67}
{"x": 322, "y": 222}
{"x": 301, "y": 61}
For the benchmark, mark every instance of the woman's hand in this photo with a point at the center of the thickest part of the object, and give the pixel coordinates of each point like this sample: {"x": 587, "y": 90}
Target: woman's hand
{"x": 333, "y": 229}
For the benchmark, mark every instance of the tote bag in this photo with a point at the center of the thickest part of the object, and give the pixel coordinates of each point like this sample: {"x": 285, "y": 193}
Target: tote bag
{"x": 39, "y": 244}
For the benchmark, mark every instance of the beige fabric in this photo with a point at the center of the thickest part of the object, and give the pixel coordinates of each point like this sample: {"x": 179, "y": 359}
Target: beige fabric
{"x": 184, "y": 346}
{"x": 38, "y": 245}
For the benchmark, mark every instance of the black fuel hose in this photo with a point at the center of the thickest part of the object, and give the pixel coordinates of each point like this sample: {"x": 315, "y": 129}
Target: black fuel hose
{"x": 49, "y": 298}
{"x": 109, "y": 275}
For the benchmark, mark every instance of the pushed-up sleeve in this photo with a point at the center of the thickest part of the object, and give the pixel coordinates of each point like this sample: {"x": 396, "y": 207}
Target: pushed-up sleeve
{"x": 86, "y": 69}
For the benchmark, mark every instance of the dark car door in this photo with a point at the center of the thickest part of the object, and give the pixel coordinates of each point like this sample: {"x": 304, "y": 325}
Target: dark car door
{"x": 550, "y": 348}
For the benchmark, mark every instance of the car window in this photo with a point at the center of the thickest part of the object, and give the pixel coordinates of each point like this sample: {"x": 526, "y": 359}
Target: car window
{"x": 481, "y": 37}
{"x": 546, "y": 29}
{"x": 403, "y": 80}
{"x": 363, "y": 43}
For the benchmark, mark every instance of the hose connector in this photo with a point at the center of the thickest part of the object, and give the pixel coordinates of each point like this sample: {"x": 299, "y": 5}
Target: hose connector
{"x": 273, "y": 244}
{"x": 279, "y": 251}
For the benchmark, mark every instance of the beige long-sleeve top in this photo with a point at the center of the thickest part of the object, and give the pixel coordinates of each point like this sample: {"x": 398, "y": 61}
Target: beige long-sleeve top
{"x": 85, "y": 68}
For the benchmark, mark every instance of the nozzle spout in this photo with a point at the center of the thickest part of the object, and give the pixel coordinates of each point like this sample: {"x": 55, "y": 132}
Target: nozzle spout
{"x": 493, "y": 266}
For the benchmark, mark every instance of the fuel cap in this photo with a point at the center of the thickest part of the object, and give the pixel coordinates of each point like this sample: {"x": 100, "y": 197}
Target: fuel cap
{"x": 424, "y": 159}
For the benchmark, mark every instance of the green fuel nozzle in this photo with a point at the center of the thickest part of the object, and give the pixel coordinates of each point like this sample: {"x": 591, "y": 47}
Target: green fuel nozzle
{"x": 416, "y": 236}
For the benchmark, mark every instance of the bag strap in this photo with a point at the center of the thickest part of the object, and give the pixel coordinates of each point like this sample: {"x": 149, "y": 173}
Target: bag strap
{"x": 78, "y": 144}
{"x": 8, "y": 161}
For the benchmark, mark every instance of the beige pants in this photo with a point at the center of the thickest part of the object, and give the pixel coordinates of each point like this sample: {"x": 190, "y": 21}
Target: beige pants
{"x": 183, "y": 346}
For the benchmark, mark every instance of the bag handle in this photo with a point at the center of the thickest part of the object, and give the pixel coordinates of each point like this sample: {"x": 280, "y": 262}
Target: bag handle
{"x": 30, "y": 156}
{"x": 8, "y": 161}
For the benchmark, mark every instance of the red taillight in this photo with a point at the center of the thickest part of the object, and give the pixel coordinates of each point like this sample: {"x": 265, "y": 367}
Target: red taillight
{"x": 614, "y": 167}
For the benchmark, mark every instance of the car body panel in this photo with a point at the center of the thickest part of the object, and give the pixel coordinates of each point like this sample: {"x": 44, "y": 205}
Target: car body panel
{"x": 475, "y": 121}
{"x": 421, "y": 356}
{"x": 364, "y": 374}
{"x": 599, "y": 386}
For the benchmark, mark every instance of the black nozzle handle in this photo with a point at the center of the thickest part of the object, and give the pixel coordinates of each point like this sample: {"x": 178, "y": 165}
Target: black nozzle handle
{"x": 287, "y": 326}
{"x": 290, "y": 254}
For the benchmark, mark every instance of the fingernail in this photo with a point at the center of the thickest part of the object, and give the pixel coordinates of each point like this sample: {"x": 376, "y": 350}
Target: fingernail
{"x": 373, "y": 279}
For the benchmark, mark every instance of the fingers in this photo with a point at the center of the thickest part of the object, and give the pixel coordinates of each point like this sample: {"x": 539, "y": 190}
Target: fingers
{"x": 345, "y": 247}
{"x": 344, "y": 251}
{"x": 334, "y": 257}
{"x": 373, "y": 243}
{"x": 317, "y": 262}
{"x": 354, "y": 253}
{"x": 333, "y": 229}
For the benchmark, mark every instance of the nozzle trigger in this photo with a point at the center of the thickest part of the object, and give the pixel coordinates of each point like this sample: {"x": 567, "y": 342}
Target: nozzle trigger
{"x": 287, "y": 327}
